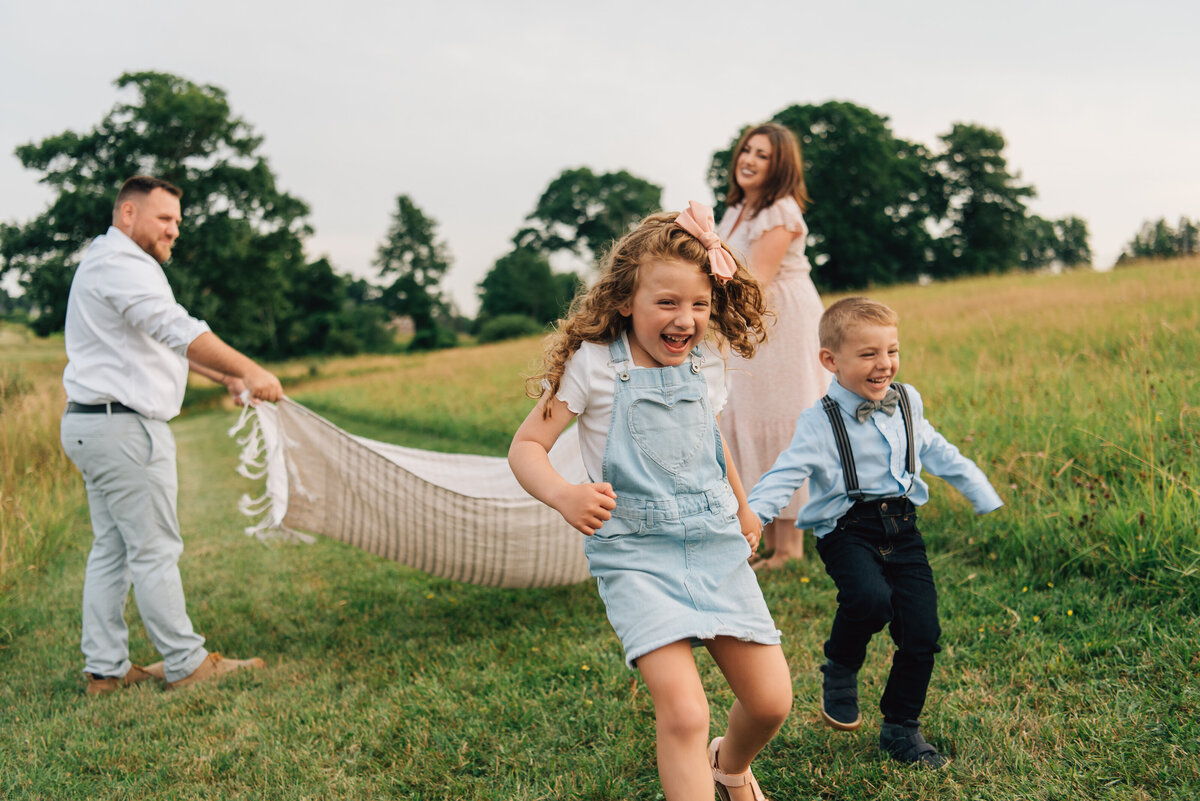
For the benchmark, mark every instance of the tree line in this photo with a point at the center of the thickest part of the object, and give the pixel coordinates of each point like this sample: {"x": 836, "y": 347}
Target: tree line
{"x": 1158, "y": 240}
{"x": 885, "y": 210}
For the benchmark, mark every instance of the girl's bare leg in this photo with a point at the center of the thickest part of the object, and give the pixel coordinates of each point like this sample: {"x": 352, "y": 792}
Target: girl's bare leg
{"x": 760, "y": 679}
{"x": 681, "y": 722}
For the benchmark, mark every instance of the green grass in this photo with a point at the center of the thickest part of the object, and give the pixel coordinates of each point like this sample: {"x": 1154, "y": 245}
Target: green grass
{"x": 1071, "y": 661}
{"x": 39, "y": 502}
{"x": 470, "y": 400}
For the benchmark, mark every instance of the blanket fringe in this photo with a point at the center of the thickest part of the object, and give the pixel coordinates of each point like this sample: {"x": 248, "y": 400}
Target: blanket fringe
{"x": 262, "y": 457}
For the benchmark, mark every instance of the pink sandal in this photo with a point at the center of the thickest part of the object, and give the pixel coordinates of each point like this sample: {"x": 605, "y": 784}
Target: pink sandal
{"x": 724, "y": 780}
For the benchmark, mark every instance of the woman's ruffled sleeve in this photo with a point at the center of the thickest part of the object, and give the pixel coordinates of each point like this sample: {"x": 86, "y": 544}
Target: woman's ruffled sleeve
{"x": 785, "y": 213}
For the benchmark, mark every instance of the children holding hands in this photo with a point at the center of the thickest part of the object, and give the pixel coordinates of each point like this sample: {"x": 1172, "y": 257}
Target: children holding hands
{"x": 862, "y": 449}
{"x": 668, "y": 527}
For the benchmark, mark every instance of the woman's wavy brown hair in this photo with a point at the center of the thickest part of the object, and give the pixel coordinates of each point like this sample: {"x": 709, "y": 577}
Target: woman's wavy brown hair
{"x": 785, "y": 175}
{"x": 738, "y": 309}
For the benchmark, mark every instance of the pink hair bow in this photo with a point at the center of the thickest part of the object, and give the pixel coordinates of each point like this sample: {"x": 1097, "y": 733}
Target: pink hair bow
{"x": 697, "y": 220}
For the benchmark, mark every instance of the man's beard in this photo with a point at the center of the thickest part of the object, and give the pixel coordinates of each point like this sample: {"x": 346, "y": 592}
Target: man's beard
{"x": 156, "y": 249}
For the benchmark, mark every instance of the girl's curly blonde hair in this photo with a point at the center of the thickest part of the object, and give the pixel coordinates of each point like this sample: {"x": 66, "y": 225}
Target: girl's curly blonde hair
{"x": 738, "y": 308}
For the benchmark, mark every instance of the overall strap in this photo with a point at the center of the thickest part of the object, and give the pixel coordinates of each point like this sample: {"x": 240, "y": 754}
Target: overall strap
{"x": 620, "y": 357}
{"x": 849, "y": 471}
{"x": 621, "y": 360}
{"x": 910, "y": 458}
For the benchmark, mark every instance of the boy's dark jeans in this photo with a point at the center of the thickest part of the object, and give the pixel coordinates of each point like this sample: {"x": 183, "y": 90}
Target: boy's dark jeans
{"x": 876, "y": 558}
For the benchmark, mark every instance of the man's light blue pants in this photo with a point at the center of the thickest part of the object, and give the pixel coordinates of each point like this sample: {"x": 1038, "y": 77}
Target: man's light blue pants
{"x": 128, "y": 466}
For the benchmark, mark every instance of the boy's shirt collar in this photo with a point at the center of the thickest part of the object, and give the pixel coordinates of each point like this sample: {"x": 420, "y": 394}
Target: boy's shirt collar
{"x": 845, "y": 398}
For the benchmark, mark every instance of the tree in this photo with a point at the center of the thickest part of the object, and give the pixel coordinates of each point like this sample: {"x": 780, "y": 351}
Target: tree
{"x": 242, "y": 241}
{"x": 1072, "y": 248}
{"x": 1156, "y": 240}
{"x": 522, "y": 282}
{"x": 584, "y": 213}
{"x": 1063, "y": 241}
{"x": 1188, "y": 237}
{"x": 986, "y": 208}
{"x": 1039, "y": 243}
{"x": 873, "y": 195}
{"x": 416, "y": 261}
{"x": 337, "y": 316}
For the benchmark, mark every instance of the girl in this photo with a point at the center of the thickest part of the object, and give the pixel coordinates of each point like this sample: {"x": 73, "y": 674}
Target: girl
{"x": 766, "y": 198}
{"x": 669, "y": 530}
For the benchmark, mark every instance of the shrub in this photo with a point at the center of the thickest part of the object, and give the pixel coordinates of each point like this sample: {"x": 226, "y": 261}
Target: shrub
{"x": 508, "y": 326}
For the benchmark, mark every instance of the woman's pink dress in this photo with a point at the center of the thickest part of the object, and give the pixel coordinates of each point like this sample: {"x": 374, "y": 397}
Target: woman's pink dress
{"x": 767, "y": 394}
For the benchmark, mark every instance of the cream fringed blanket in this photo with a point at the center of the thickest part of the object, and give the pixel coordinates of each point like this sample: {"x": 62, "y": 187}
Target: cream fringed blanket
{"x": 458, "y": 516}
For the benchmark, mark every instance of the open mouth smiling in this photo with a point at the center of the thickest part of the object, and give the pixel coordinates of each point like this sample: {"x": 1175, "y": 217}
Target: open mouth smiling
{"x": 676, "y": 341}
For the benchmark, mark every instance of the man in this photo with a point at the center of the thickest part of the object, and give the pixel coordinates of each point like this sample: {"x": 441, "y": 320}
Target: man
{"x": 129, "y": 346}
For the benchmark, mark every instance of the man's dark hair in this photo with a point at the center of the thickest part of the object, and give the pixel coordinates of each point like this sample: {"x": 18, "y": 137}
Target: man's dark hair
{"x": 144, "y": 185}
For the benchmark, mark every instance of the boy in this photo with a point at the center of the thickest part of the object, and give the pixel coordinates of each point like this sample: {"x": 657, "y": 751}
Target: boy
{"x": 863, "y": 461}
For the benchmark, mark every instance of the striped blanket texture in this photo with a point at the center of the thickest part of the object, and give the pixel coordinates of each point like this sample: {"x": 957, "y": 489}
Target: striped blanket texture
{"x": 460, "y": 516}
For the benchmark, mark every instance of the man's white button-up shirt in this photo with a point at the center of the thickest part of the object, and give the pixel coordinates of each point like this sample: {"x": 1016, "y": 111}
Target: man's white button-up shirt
{"x": 126, "y": 337}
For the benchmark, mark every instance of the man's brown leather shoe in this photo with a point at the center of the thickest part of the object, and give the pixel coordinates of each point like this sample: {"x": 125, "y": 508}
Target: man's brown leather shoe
{"x": 102, "y": 685}
{"x": 214, "y": 667}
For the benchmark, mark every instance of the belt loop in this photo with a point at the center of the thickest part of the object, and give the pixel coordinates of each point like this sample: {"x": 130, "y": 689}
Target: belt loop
{"x": 108, "y": 409}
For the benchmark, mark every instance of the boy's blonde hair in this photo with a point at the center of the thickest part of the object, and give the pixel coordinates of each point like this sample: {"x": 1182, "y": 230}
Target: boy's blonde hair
{"x": 738, "y": 308}
{"x": 848, "y": 313}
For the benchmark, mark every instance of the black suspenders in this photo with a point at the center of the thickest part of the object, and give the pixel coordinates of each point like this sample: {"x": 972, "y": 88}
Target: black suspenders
{"x": 910, "y": 459}
{"x": 842, "y": 439}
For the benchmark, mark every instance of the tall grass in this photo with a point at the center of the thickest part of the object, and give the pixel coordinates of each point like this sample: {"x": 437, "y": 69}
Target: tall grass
{"x": 1078, "y": 395}
{"x": 40, "y": 493}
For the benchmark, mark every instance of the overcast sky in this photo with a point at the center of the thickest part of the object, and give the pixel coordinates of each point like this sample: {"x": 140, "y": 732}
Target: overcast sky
{"x": 471, "y": 108}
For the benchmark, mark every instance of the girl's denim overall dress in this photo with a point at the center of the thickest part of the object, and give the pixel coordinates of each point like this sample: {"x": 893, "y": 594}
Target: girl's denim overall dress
{"x": 671, "y": 563}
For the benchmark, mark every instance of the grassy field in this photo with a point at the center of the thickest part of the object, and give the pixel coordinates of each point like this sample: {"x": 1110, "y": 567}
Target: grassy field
{"x": 1071, "y": 662}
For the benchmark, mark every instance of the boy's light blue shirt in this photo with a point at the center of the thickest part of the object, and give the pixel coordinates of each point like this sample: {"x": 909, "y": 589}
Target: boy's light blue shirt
{"x": 879, "y": 446}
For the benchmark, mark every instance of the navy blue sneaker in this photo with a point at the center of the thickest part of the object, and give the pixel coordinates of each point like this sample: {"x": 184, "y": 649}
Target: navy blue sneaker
{"x": 839, "y": 697}
{"x": 904, "y": 742}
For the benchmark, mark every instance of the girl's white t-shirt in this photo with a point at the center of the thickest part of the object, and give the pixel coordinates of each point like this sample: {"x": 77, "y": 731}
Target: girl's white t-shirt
{"x": 587, "y": 389}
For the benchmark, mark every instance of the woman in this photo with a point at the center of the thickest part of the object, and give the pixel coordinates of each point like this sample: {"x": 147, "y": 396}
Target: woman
{"x": 764, "y": 221}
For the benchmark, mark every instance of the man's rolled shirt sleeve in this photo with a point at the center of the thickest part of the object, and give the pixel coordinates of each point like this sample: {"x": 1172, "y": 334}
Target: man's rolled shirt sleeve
{"x": 138, "y": 296}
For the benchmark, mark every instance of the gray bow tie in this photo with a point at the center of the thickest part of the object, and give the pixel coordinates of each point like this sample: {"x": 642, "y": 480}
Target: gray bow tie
{"x": 888, "y": 406}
